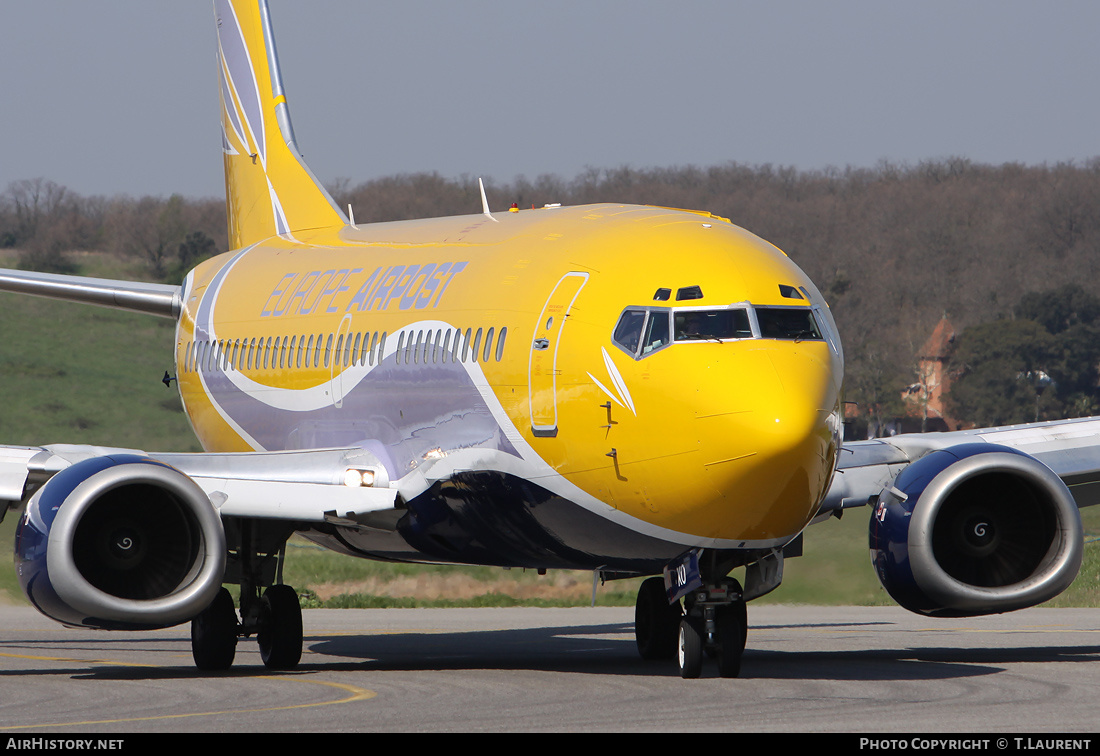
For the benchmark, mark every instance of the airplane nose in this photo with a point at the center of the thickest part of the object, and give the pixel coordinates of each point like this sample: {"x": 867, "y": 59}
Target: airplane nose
{"x": 771, "y": 464}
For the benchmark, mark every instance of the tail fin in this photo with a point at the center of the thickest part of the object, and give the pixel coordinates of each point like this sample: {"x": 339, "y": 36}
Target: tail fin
{"x": 268, "y": 188}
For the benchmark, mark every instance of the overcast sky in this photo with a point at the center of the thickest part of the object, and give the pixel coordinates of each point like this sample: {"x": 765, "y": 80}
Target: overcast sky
{"x": 121, "y": 96}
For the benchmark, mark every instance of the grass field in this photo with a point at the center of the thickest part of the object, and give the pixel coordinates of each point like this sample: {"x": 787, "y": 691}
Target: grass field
{"x": 77, "y": 374}
{"x": 72, "y": 373}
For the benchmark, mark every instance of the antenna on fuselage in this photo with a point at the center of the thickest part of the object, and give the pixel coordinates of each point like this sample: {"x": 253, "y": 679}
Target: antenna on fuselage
{"x": 351, "y": 217}
{"x": 485, "y": 202}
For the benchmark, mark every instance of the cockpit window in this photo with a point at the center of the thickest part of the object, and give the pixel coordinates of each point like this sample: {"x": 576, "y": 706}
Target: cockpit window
{"x": 788, "y": 323}
{"x": 642, "y": 330}
{"x": 689, "y": 292}
{"x": 656, "y": 331}
{"x": 694, "y": 325}
{"x": 629, "y": 330}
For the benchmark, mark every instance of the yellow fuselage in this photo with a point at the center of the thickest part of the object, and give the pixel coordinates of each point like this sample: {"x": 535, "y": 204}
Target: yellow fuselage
{"x": 725, "y": 443}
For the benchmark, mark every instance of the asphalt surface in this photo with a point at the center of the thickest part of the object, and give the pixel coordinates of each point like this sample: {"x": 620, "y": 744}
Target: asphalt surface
{"x": 806, "y": 669}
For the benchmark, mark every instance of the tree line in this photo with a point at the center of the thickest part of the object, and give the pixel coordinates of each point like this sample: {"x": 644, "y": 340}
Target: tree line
{"x": 893, "y": 247}
{"x": 47, "y": 222}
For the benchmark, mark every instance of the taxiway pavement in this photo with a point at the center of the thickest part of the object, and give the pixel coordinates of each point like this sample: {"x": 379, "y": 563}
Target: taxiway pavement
{"x": 806, "y": 669}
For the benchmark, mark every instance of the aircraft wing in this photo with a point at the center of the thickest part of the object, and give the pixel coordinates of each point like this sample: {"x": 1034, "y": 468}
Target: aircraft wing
{"x": 300, "y": 486}
{"x": 1070, "y": 448}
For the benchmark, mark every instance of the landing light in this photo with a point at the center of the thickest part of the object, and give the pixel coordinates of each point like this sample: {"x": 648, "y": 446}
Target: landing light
{"x": 358, "y": 478}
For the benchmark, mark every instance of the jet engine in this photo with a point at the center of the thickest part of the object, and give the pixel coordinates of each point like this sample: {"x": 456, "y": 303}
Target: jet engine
{"x": 120, "y": 542}
{"x": 975, "y": 529}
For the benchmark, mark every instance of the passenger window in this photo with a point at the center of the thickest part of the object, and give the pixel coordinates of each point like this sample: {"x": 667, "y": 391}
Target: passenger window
{"x": 477, "y": 343}
{"x": 500, "y": 343}
{"x": 488, "y": 345}
{"x": 629, "y": 330}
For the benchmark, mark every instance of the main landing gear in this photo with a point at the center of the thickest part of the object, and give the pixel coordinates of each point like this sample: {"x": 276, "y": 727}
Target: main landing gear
{"x": 713, "y": 622}
{"x": 275, "y": 618}
{"x": 273, "y": 615}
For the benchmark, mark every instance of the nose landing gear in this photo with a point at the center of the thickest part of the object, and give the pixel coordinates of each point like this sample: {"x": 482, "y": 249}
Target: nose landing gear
{"x": 714, "y": 623}
{"x": 656, "y": 621}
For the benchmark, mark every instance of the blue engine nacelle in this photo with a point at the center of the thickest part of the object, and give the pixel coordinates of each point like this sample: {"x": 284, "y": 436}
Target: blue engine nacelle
{"x": 120, "y": 542}
{"x": 975, "y": 529}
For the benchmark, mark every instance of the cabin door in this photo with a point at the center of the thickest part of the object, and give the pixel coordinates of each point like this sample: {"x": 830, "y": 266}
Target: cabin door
{"x": 543, "y": 367}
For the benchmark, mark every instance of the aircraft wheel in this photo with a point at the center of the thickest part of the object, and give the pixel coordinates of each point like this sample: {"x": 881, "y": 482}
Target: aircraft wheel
{"x": 732, "y": 629}
{"x": 690, "y": 654}
{"x": 280, "y": 636}
{"x": 656, "y": 622}
{"x": 214, "y": 633}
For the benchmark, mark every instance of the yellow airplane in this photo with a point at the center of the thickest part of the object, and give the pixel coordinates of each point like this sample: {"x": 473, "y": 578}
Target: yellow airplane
{"x": 636, "y": 391}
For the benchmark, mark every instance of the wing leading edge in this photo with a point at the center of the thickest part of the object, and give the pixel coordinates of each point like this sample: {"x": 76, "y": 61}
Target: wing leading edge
{"x": 1070, "y": 448}
{"x": 297, "y": 486}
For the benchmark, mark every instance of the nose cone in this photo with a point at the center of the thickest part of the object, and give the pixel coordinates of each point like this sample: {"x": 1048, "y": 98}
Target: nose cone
{"x": 770, "y": 462}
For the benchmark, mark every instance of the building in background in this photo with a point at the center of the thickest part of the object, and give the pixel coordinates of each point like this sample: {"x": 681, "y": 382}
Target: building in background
{"x": 925, "y": 398}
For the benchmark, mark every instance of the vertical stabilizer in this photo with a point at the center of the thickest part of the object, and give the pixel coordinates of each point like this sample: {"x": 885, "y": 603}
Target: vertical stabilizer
{"x": 269, "y": 190}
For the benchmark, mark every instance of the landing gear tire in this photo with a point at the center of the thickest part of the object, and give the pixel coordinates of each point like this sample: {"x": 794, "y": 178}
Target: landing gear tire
{"x": 214, "y": 634}
{"x": 280, "y": 635}
{"x": 656, "y": 622}
{"x": 690, "y": 651}
{"x": 730, "y": 634}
